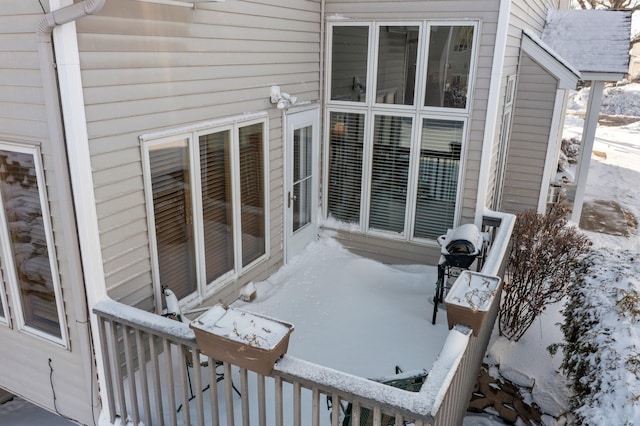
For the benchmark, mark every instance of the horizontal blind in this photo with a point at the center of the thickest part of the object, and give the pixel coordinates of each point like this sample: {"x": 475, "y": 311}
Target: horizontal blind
{"x": 27, "y": 238}
{"x": 217, "y": 206}
{"x": 252, "y": 215}
{"x": 440, "y": 149}
{"x": 390, "y": 171}
{"x": 173, "y": 217}
{"x": 345, "y": 166}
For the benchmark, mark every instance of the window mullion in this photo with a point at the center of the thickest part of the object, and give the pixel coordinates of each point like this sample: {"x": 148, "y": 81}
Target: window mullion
{"x": 235, "y": 197}
{"x": 412, "y": 184}
{"x": 197, "y": 217}
{"x": 367, "y": 170}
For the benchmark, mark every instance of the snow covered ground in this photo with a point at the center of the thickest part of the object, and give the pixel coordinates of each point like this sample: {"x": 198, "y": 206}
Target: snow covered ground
{"x": 610, "y": 178}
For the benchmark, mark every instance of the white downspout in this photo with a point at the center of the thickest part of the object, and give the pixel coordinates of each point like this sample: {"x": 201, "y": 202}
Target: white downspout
{"x": 492, "y": 108}
{"x": 65, "y": 72}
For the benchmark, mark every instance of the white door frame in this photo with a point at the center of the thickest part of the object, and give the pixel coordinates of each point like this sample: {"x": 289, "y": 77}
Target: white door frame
{"x": 295, "y": 119}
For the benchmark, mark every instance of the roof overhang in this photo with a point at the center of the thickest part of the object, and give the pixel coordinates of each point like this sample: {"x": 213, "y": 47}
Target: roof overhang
{"x": 566, "y": 74}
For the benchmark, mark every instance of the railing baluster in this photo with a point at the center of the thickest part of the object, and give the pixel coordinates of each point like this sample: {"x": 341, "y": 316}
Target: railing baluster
{"x": 117, "y": 366}
{"x": 377, "y": 416}
{"x": 355, "y": 412}
{"x": 315, "y": 406}
{"x": 186, "y": 413}
{"x": 171, "y": 385}
{"x": 297, "y": 411}
{"x": 213, "y": 380}
{"x": 278, "y": 400}
{"x": 197, "y": 373}
{"x": 228, "y": 393}
{"x": 155, "y": 377}
{"x": 244, "y": 390}
{"x": 142, "y": 367}
{"x": 262, "y": 405}
{"x": 335, "y": 409}
{"x": 126, "y": 339}
{"x": 107, "y": 368}
{"x": 398, "y": 421}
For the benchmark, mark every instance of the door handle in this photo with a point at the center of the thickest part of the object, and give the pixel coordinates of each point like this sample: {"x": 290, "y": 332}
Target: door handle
{"x": 290, "y": 198}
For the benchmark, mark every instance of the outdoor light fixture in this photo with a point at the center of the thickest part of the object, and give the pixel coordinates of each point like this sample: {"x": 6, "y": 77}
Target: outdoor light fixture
{"x": 281, "y": 99}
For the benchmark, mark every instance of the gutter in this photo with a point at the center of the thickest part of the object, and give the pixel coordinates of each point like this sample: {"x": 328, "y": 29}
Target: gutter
{"x": 71, "y": 160}
{"x": 491, "y": 120}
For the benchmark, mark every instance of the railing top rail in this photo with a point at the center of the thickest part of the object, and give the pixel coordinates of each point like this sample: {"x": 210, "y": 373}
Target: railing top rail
{"x": 500, "y": 242}
{"x": 145, "y": 321}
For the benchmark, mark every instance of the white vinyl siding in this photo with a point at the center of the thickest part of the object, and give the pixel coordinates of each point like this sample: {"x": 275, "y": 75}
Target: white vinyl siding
{"x": 532, "y": 117}
{"x": 147, "y": 67}
{"x": 23, "y": 121}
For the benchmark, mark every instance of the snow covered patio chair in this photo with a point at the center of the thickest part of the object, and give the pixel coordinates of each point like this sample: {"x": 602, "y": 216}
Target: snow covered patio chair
{"x": 174, "y": 312}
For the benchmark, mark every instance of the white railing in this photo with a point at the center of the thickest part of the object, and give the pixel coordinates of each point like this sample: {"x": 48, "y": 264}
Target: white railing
{"x": 151, "y": 380}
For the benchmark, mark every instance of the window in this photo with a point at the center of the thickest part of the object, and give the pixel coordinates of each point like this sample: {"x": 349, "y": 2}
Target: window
{"x": 449, "y": 66}
{"x": 395, "y": 147}
{"x": 28, "y": 262}
{"x": 208, "y": 204}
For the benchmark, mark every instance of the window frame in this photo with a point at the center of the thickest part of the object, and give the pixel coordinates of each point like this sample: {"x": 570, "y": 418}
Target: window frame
{"x": 9, "y": 272}
{"x": 192, "y": 134}
{"x": 418, "y": 111}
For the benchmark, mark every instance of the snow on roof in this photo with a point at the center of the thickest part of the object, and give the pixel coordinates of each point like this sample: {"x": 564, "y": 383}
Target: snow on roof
{"x": 591, "y": 40}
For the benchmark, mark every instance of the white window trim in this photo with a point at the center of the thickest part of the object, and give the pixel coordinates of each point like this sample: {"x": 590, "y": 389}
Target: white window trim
{"x": 9, "y": 266}
{"x": 418, "y": 111}
{"x": 192, "y": 134}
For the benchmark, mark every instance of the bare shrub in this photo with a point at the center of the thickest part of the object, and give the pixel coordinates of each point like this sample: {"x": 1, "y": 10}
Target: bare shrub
{"x": 543, "y": 258}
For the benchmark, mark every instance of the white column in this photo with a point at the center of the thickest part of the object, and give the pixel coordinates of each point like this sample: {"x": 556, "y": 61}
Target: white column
{"x": 588, "y": 138}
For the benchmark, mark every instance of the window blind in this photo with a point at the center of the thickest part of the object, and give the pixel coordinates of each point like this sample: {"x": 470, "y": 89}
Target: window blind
{"x": 217, "y": 206}
{"x": 345, "y": 166}
{"x": 172, "y": 210}
{"x": 252, "y": 194}
{"x": 440, "y": 149}
{"x": 390, "y": 171}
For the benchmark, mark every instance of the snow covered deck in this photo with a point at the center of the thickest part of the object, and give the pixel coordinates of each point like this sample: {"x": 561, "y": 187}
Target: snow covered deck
{"x": 354, "y": 319}
{"x": 353, "y": 314}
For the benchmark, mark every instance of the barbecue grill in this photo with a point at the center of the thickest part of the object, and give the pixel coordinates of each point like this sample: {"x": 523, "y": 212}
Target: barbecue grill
{"x": 459, "y": 248}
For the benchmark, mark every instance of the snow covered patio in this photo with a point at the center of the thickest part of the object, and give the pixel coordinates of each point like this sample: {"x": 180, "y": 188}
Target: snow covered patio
{"x": 354, "y": 319}
{"x": 353, "y": 314}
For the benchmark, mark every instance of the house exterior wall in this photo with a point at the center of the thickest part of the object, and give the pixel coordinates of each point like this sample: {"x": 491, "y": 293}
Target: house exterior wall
{"x": 533, "y": 114}
{"x": 148, "y": 67}
{"x": 524, "y": 14}
{"x": 31, "y": 366}
{"x": 486, "y": 13}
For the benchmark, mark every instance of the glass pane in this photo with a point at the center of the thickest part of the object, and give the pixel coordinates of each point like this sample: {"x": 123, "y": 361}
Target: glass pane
{"x": 173, "y": 217}
{"x": 345, "y": 166}
{"x": 390, "y": 171}
{"x": 350, "y": 49}
{"x": 440, "y": 149}
{"x": 21, "y": 199}
{"x": 397, "y": 57}
{"x": 217, "y": 208}
{"x": 302, "y": 161}
{"x": 301, "y": 204}
{"x": 449, "y": 59}
{"x": 252, "y": 209}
